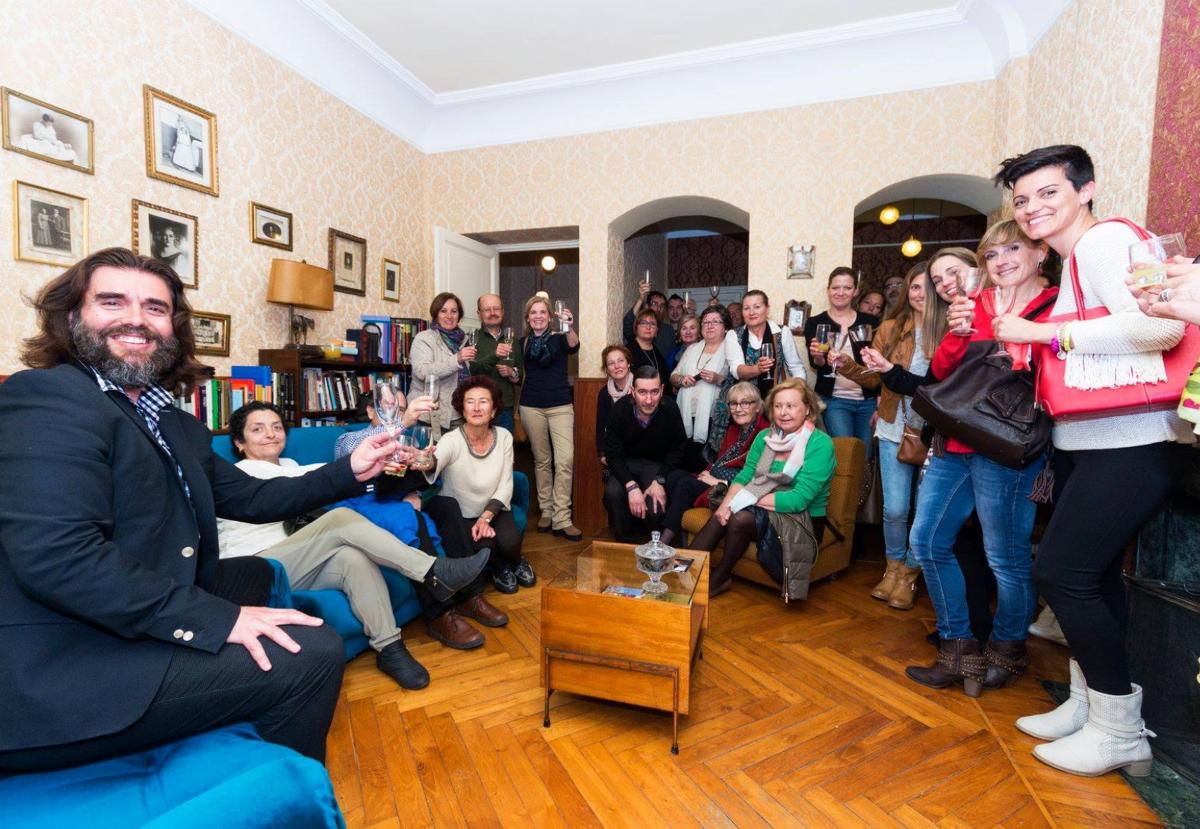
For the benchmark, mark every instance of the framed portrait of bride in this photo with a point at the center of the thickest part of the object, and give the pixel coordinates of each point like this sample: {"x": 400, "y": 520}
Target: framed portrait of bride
{"x": 46, "y": 132}
{"x": 181, "y": 142}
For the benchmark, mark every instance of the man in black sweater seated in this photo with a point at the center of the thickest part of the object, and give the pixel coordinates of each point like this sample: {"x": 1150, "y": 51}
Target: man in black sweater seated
{"x": 644, "y": 442}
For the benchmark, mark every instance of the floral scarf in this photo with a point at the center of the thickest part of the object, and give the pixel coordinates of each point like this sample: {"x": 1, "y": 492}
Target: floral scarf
{"x": 453, "y": 338}
{"x": 730, "y": 462}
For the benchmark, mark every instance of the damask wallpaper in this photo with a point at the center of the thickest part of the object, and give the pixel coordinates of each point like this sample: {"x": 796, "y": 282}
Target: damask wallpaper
{"x": 701, "y": 261}
{"x": 1174, "y": 198}
{"x": 798, "y": 172}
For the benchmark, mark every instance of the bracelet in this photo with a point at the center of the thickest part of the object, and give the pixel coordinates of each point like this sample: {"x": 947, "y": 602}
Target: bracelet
{"x": 1066, "y": 341}
{"x": 1056, "y": 343}
{"x": 631, "y": 486}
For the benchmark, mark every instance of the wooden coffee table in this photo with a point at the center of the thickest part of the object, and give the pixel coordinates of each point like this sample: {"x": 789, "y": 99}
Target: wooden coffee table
{"x": 635, "y": 650}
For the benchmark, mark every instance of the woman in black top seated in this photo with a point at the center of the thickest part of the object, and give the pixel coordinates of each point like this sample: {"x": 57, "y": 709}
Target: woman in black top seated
{"x": 616, "y": 363}
{"x": 645, "y": 352}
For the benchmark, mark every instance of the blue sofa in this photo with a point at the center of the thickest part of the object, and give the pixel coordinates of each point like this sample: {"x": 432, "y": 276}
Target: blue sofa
{"x": 314, "y": 444}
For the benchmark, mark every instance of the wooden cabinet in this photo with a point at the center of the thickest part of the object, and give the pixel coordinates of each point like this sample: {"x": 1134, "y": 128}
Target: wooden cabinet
{"x": 318, "y": 388}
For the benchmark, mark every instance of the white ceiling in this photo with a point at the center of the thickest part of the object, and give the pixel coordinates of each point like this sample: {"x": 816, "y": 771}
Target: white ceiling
{"x": 455, "y": 74}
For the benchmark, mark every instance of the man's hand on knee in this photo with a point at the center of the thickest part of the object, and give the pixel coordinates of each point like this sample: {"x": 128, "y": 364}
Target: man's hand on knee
{"x": 253, "y": 622}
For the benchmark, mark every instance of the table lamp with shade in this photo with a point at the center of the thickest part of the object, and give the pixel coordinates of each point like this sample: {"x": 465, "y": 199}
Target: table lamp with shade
{"x": 299, "y": 284}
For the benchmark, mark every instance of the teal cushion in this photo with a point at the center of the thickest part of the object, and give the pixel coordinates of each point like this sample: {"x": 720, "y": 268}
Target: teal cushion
{"x": 229, "y": 778}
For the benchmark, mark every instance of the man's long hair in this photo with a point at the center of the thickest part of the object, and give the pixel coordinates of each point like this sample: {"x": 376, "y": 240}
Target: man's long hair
{"x": 60, "y": 300}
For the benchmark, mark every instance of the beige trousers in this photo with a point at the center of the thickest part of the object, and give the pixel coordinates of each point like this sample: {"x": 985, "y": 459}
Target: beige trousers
{"x": 343, "y": 551}
{"x": 552, "y": 437}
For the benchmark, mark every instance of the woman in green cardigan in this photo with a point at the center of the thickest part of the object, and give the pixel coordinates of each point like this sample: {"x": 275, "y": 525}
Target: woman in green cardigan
{"x": 778, "y": 499}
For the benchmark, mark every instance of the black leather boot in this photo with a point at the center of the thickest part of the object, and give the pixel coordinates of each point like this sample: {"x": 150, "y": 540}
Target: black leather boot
{"x": 958, "y": 660}
{"x": 1006, "y": 662}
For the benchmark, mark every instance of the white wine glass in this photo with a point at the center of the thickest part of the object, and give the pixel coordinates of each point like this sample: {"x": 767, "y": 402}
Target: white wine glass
{"x": 970, "y": 284}
{"x": 1148, "y": 259}
{"x": 998, "y": 301}
{"x": 388, "y": 409}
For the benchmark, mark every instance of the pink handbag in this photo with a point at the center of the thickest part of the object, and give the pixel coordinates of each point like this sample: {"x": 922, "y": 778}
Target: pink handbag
{"x": 1064, "y": 403}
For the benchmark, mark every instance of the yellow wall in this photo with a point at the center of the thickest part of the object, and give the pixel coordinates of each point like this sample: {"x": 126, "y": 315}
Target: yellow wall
{"x": 798, "y": 172}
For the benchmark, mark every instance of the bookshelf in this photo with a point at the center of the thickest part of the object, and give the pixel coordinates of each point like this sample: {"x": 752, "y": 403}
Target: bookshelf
{"x": 315, "y": 388}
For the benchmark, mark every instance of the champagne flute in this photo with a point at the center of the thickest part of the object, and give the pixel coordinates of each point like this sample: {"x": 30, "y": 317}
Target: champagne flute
{"x": 470, "y": 341}
{"x": 424, "y": 455}
{"x": 970, "y": 283}
{"x": 560, "y": 308}
{"x": 431, "y": 389}
{"x": 767, "y": 350}
{"x": 386, "y": 399}
{"x": 1148, "y": 259}
{"x": 506, "y": 338}
{"x": 998, "y": 301}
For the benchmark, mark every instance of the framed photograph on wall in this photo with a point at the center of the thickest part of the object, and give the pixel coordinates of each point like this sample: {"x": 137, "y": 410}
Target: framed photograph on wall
{"x": 168, "y": 235}
{"x": 348, "y": 261}
{"x": 49, "y": 226}
{"x": 212, "y": 333}
{"x": 391, "y": 280}
{"x": 44, "y": 131}
{"x": 181, "y": 141}
{"x": 269, "y": 226}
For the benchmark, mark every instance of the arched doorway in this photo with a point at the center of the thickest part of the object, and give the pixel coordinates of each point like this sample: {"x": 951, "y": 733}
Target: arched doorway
{"x": 935, "y": 210}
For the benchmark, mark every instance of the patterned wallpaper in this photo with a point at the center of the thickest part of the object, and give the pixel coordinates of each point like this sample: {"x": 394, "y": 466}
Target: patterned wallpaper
{"x": 642, "y": 253}
{"x": 799, "y": 172}
{"x": 1173, "y": 181}
{"x": 281, "y": 142}
{"x": 702, "y": 261}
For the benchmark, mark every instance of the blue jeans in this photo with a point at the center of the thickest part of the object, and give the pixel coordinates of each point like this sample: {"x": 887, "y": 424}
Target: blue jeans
{"x": 850, "y": 419}
{"x": 897, "y": 479}
{"x": 504, "y": 419}
{"x": 954, "y": 485}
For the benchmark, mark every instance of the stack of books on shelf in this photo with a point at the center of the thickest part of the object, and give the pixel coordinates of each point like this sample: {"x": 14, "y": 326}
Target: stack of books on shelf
{"x": 395, "y": 338}
{"x": 214, "y": 399}
{"x": 329, "y": 392}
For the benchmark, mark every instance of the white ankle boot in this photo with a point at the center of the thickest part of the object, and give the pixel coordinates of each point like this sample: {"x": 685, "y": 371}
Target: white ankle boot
{"x": 1114, "y": 737}
{"x": 1064, "y": 720}
{"x": 1046, "y": 627}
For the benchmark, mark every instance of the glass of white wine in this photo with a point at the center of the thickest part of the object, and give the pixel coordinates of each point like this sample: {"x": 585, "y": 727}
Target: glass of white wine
{"x": 1148, "y": 259}
{"x": 970, "y": 284}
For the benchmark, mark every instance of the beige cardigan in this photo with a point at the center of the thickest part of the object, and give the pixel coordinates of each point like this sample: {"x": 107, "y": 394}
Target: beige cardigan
{"x": 431, "y": 357}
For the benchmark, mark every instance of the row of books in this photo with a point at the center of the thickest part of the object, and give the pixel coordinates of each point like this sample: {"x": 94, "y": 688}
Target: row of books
{"x": 331, "y": 390}
{"x": 393, "y": 343}
{"x": 213, "y": 400}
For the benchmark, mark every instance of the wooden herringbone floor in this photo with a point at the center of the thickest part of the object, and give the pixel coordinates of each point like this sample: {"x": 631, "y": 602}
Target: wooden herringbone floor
{"x": 801, "y": 716}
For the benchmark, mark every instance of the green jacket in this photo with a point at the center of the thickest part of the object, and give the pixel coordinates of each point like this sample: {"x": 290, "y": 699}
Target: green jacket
{"x": 810, "y": 489}
{"x": 485, "y": 362}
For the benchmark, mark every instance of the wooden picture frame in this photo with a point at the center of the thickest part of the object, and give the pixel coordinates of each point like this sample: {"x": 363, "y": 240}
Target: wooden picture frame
{"x": 389, "y": 279}
{"x": 348, "y": 261}
{"x": 270, "y": 226}
{"x": 30, "y": 127}
{"x": 212, "y": 332}
{"x": 49, "y": 226}
{"x": 173, "y": 153}
{"x": 168, "y": 235}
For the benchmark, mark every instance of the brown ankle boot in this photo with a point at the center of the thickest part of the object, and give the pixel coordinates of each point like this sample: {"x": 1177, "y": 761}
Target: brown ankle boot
{"x": 957, "y": 660}
{"x": 904, "y": 593}
{"x": 883, "y": 590}
{"x": 1006, "y": 662}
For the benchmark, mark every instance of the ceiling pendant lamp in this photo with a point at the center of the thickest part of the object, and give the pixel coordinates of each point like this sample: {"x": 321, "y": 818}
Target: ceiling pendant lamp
{"x": 911, "y": 247}
{"x": 889, "y": 215}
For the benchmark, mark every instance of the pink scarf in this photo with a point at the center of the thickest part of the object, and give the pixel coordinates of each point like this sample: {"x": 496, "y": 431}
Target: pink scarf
{"x": 615, "y": 393}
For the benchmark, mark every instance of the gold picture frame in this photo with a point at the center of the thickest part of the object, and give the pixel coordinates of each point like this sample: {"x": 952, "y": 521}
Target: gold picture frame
{"x": 49, "y": 226}
{"x": 173, "y": 153}
{"x": 169, "y": 235}
{"x": 348, "y": 261}
{"x": 270, "y": 226}
{"x": 212, "y": 332}
{"x": 390, "y": 270}
{"x": 20, "y": 112}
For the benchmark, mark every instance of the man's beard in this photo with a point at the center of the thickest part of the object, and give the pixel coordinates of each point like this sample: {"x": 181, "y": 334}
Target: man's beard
{"x": 92, "y": 347}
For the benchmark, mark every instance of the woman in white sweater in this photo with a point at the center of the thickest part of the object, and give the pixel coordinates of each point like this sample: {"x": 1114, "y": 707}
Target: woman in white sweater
{"x": 475, "y": 464}
{"x": 441, "y": 352}
{"x": 1112, "y": 472}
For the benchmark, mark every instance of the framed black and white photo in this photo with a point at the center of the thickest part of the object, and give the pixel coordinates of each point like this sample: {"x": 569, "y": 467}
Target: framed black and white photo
{"x": 348, "y": 261}
{"x": 168, "y": 235}
{"x": 269, "y": 226}
{"x": 44, "y": 131}
{"x": 391, "y": 280}
{"x": 212, "y": 333}
{"x": 181, "y": 141}
{"x": 49, "y": 226}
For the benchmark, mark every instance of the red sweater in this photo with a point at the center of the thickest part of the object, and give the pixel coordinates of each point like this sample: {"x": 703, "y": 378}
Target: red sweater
{"x": 953, "y": 347}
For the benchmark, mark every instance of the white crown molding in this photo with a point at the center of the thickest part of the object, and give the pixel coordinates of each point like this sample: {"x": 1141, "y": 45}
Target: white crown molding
{"x": 887, "y": 55}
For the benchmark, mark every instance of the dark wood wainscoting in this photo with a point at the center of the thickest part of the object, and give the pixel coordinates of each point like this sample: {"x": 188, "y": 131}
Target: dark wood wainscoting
{"x": 588, "y": 495}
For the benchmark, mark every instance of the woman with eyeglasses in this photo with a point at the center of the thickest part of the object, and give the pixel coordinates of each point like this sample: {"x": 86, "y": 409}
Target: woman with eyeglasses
{"x": 644, "y": 350}
{"x": 706, "y": 489}
{"x": 702, "y": 369}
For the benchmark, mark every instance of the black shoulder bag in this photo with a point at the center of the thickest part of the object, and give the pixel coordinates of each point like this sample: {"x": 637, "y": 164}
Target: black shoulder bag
{"x": 988, "y": 406}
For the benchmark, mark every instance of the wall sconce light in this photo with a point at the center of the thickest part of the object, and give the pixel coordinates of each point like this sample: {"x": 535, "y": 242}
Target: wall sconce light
{"x": 549, "y": 263}
{"x": 801, "y": 261}
{"x": 889, "y": 215}
{"x": 911, "y": 247}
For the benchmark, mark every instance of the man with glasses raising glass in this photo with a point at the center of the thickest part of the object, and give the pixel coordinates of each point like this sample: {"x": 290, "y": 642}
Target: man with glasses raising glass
{"x": 495, "y": 356}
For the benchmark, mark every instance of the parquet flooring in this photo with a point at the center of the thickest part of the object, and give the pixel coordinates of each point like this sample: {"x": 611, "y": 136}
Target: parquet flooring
{"x": 801, "y": 716}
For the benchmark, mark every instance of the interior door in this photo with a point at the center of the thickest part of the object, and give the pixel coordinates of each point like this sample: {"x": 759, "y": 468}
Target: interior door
{"x": 467, "y": 268}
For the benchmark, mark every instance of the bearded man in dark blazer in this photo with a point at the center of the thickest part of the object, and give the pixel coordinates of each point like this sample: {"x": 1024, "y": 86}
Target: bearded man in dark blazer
{"x": 119, "y": 627}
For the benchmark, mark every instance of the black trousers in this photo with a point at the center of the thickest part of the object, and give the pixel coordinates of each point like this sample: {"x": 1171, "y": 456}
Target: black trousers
{"x": 1102, "y": 497}
{"x": 455, "y": 531}
{"x": 291, "y": 704}
{"x": 683, "y": 488}
{"x": 626, "y": 528}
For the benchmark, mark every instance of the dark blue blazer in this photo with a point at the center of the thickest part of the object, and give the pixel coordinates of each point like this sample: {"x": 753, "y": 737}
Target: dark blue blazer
{"x": 105, "y": 565}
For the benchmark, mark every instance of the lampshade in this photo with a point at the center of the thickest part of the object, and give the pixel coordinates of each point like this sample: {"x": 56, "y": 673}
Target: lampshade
{"x": 549, "y": 263}
{"x": 889, "y": 215}
{"x": 911, "y": 247}
{"x": 300, "y": 284}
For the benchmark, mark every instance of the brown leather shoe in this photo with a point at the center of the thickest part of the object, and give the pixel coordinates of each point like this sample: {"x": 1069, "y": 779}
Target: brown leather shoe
{"x": 453, "y": 631}
{"x": 482, "y": 611}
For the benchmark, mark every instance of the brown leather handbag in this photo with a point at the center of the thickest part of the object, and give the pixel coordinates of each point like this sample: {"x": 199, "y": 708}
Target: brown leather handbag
{"x": 913, "y": 448}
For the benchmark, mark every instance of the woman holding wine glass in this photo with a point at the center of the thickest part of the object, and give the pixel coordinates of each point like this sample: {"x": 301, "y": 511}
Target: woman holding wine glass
{"x": 441, "y": 356}
{"x": 547, "y": 412}
{"x": 849, "y": 407}
{"x": 959, "y": 481}
{"x": 702, "y": 369}
{"x": 767, "y": 355}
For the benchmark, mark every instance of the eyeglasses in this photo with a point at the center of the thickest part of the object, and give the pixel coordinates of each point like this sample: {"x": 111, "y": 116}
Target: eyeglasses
{"x": 648, "y": 322}
{"x": 741, "y": 404}
{"x": 707, "y": 323}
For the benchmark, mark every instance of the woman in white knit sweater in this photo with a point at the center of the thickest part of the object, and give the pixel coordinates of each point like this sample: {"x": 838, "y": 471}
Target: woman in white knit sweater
{"x": 1112, "y": 473}
{"x": 475, "y": 464}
